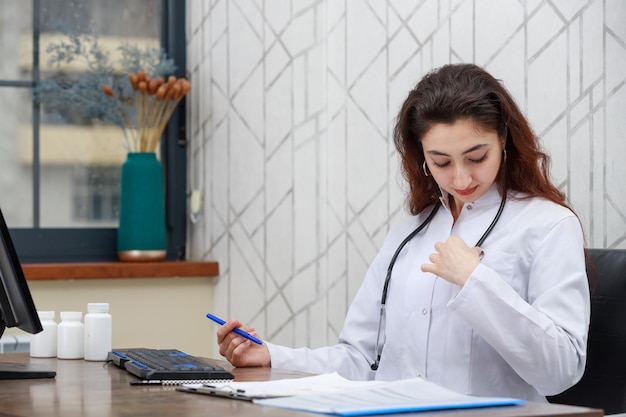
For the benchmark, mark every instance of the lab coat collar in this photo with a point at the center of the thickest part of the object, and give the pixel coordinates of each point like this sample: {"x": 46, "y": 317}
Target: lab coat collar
{"x": 492, "y": 196}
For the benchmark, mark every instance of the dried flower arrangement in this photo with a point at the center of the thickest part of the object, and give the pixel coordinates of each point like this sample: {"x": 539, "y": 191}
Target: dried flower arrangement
{"x": 155, "y": 100}
{"x": 135, "y": 92}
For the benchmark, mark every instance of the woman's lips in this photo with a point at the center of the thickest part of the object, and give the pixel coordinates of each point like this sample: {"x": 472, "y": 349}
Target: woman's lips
{"x": 466, "y": 191}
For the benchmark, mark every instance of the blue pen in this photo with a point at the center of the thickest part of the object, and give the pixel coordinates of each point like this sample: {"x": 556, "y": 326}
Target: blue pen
{"x": 236, "y": 329}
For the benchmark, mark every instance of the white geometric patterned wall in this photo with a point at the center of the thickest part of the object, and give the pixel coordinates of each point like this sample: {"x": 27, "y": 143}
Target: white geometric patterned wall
{"x": 290, "y": 122}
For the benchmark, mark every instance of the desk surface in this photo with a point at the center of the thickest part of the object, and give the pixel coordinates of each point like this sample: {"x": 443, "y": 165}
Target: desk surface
{"x": 97, "y": 389}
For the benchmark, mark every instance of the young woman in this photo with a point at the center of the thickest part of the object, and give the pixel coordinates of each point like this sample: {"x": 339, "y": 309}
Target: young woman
{"x": 483, "y": 290}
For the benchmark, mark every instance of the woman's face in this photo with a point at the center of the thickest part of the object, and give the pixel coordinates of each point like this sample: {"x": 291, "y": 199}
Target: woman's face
{"x": 463, "y": 158}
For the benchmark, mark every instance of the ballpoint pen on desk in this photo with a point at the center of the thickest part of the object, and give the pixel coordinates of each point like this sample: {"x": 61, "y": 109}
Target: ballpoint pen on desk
{"x": 236, "y": 329}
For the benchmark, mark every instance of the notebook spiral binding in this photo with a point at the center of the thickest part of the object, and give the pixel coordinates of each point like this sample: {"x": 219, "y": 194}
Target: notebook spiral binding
{"x": 190, "y": 381}
{"x": 176, "y": 381}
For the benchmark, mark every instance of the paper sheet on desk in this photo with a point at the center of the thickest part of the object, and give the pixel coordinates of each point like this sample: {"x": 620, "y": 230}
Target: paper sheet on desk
{"x": 385, "y": 398}
{"x": 325, "y": 383}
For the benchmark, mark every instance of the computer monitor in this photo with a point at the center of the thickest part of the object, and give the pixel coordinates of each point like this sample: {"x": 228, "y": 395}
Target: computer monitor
{"x": 17, "y": 308}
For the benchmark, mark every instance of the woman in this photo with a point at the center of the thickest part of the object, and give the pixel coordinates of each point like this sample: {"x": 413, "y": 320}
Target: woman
{"x": 490, "y": 297}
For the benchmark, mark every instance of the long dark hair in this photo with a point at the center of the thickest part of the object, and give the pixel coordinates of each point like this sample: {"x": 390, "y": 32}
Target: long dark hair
{"x": 466, "y": 91}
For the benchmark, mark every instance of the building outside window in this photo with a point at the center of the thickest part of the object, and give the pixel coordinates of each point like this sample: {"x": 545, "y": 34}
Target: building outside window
{"x": 96, "y": 195}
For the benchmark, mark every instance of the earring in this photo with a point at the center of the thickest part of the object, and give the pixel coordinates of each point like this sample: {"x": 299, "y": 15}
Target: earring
{"x": 504, "y": 156}
{"x": 425, "y": 168}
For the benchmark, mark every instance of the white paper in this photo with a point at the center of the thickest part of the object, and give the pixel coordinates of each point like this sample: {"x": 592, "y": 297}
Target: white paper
{"x": 325, "y": 383}
{"x": 391, "y": 397}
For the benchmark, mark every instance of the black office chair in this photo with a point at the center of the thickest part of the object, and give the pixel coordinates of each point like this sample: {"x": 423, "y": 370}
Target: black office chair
{"x": 603, "y": 384}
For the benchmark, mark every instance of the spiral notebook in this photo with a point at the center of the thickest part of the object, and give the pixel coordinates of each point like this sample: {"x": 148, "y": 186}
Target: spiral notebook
{"x": 239, "y": 390}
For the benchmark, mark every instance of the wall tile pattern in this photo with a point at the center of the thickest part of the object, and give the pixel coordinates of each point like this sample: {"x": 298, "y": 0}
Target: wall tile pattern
{"x": 290, "y": 124}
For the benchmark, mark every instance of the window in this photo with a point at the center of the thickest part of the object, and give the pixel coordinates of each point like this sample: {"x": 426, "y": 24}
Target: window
{"x": 59, "y": 188}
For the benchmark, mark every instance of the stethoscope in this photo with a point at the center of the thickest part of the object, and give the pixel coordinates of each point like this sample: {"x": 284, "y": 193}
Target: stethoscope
{"x": 406, "y": 240}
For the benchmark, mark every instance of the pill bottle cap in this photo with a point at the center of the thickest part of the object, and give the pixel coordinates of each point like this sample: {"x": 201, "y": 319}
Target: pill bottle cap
{"x": 98, "y": 307}
{"x": 46, "y": 315}
{"x": 71, "y": 315}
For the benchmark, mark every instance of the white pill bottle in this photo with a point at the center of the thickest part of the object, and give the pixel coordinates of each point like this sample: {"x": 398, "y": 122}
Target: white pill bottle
{"x": 70, "y": 336}
{"x": 44, "y": 343}
{"x": 98, "y": 332}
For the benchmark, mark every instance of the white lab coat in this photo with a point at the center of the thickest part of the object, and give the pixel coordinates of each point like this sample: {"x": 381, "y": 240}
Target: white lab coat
{"x": 517, "y": 328}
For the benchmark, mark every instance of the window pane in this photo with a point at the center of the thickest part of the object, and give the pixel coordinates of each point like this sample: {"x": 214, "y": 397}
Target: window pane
{"x": 80, "y": 153}
{"x": 16, "y": 36}
{"x": 79, "y": 161}
{"x": 16, "y": 137}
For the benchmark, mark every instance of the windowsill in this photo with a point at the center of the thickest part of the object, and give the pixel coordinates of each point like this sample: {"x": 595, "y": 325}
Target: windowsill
{"x": 94, "y": 270}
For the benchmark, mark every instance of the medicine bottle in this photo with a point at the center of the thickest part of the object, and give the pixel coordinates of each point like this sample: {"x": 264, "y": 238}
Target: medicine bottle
{"x": 70, "y": 336}
{"x": 44, "y": 343}
{"x": 98, "y": 332}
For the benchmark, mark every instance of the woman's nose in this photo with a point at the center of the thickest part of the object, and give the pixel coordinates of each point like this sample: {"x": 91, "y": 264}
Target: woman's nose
{"x": 462, "y": 178}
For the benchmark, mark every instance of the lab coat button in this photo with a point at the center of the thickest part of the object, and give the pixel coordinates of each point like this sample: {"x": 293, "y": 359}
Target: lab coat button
{"x": 424, "y": 311}
{"x": 469, "y": 207}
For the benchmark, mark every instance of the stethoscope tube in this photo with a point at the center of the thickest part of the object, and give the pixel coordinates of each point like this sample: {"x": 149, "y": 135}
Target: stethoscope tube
{"x": 383, "y": 301}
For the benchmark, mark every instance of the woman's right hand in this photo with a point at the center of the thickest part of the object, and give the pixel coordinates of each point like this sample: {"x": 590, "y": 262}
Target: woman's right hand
{"x": 238, "y": 350}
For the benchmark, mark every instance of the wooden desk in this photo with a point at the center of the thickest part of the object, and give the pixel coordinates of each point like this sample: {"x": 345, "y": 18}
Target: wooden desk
{"x": 94, "y": 389}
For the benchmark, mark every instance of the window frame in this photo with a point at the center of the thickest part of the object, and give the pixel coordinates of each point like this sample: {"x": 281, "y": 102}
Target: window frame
{"x": 58, "y": 245}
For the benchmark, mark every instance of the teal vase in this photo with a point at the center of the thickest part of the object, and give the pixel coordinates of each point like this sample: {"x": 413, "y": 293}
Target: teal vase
{"x": 141, "y": 233}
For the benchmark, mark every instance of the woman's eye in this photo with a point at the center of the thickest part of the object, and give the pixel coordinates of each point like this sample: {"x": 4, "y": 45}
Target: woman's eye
{"x": 441, "y": 164}
{"x": 479, "y": 160}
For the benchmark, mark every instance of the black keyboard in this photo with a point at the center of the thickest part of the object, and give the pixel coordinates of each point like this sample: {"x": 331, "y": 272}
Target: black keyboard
{"x": 167, "y": 366}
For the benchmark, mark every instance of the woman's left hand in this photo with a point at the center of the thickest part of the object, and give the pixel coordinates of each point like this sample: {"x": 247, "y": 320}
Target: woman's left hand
{"x": 454, "y": 261}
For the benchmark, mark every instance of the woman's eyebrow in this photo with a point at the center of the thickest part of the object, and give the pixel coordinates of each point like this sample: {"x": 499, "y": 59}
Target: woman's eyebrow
{"x": 472, "y": 149}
